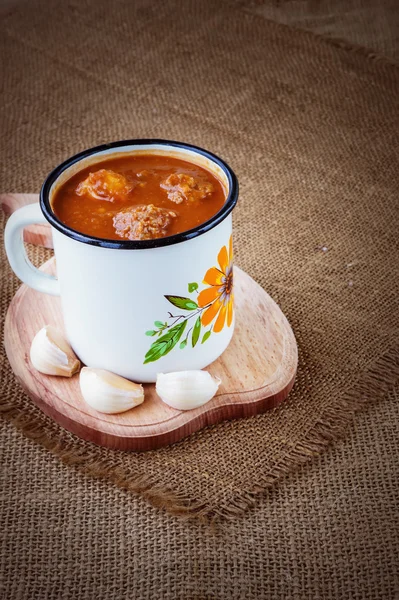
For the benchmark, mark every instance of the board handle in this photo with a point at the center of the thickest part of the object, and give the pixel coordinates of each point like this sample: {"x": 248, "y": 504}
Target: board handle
{"x": 38, "y": 235}
{"x": 16, "y": 253}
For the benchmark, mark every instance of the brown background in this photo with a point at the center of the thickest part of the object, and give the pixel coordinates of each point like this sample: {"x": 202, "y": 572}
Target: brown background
{"x": 311, "y": 130}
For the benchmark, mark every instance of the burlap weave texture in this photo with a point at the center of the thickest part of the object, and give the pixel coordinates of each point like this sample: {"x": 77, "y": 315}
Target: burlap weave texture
{"x": 311, "y": 132}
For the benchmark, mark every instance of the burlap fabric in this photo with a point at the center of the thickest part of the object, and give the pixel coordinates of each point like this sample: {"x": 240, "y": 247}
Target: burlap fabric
{"x": 311, "y": 131}
{"x": 371, "y": 26}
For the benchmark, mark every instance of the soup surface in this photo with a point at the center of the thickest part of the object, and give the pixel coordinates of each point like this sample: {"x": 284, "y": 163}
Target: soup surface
{"x": 138, "y": 197}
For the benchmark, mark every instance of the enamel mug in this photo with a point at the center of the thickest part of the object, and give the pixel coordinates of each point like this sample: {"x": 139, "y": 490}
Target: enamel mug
{"x": 137, "y": 308}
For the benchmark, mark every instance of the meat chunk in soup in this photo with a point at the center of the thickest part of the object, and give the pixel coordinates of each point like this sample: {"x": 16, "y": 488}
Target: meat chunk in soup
{"x": 105, "y": 185}
{"x": 103, "y": 199}
{"x": 180, "y": 187}
{"x": 143, "y": 222}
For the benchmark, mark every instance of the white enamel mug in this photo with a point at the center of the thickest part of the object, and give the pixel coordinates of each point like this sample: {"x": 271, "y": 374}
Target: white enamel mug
{"x": 137, "y": 308}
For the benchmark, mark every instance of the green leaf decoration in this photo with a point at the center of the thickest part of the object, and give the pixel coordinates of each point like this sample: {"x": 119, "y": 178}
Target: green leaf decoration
{"x": 158, "y": 324}
{"x": 151, "y": 332}
{"x": 196, "y": 332}
{"x": 183, "y": 344}
{"x": 181, "y": 302}
{"x": 192, "y": 287}
{"x": 206, "y": 336}
{"x": 165, "y": 343}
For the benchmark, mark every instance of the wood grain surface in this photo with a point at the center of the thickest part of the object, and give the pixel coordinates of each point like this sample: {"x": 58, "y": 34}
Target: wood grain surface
{"x": 40, "y": 235}
{"x": 257, "y": 371}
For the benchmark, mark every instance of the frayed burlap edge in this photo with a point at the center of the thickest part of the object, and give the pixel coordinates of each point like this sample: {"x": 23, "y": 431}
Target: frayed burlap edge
{"x": 353, "y": 48}
{"x": 372, "y": 386}
{"x": 344, "y": 44}
{"x": 358, "y": 49}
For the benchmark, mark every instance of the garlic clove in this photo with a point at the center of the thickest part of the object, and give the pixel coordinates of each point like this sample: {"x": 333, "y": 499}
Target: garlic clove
{"x": 51, "y": 354}
{"x": 185, "y": 390}
{"x": 109, "y": 393}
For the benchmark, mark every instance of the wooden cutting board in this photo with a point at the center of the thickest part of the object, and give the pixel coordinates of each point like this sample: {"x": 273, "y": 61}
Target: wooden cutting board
{"x": 257, "y": 371}
{"x": 40, "y": 235}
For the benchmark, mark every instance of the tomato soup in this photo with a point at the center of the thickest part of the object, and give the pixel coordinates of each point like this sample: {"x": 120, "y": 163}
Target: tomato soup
{"x": 138, "y": 197}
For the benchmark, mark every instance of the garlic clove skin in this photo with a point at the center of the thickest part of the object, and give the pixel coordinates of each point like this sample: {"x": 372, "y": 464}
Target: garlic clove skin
{"x": 51, "y": 354}
{"x": 109, "y": 393}
{"x": 185, "y": 390}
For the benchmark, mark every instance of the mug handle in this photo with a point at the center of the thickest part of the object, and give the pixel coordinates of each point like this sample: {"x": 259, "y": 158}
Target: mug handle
{"x": 16, "y": 253}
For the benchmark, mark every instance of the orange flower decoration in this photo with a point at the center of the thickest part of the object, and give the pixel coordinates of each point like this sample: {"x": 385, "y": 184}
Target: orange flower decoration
{"x": 219, "y": 295}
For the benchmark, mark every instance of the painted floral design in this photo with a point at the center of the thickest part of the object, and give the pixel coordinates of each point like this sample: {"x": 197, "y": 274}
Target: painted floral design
{"x": 218, "y": 297}
{"x": 212, "y": 306}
